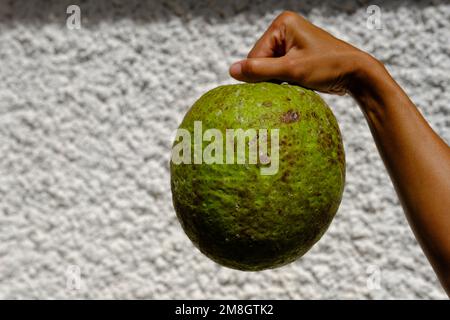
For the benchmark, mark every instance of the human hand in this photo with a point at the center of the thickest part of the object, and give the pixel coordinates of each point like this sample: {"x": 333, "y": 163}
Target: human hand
{"x": 294, "y": 50}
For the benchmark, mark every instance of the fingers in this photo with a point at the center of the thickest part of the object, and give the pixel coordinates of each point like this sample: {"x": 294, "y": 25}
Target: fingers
{"x": 273, "y": 42}
{"x": 265, "y": 46}
{"x": 279, "y": 37}
{"x": 261, "y": 69}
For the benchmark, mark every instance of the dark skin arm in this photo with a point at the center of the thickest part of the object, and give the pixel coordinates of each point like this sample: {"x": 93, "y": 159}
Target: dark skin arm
{"x": 417, "y": 159}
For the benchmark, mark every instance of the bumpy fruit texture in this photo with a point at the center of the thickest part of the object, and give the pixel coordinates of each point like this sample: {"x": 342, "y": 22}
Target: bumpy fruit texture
{"x": 248, "y": 221}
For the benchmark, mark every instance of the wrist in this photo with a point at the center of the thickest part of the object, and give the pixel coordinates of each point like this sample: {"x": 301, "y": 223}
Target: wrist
{"x": 366, "y": 74}
{"x": 371, "y": 85}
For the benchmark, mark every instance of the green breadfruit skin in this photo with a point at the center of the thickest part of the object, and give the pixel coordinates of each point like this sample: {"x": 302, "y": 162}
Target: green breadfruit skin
{"x": 248, "y": 221}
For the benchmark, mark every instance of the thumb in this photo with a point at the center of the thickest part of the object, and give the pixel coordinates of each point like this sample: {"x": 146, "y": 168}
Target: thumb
{"x": 260, "y": 69}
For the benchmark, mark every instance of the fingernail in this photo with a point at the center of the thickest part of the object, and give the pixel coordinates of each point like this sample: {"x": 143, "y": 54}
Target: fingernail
{"x": 236, "y": 68}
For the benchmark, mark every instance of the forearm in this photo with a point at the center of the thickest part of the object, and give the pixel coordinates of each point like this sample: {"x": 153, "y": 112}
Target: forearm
{"x": 418, "y": 161}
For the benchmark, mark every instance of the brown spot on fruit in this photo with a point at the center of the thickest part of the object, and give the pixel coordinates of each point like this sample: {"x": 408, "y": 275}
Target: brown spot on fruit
{"x": 340, "y": 153}
{"x": 267, "y": 103}
{"x": 290, "y": 116}
{"x": 284, "y": 176}
{"x": 325, "y": 139}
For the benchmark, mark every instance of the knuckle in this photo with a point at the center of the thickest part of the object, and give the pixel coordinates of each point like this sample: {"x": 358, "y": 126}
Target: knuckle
{"x": 287, "y": 17}
{"x": 291, "y": 67}
{"x": 285, "y": 20}
{"x": 248, "y": 67}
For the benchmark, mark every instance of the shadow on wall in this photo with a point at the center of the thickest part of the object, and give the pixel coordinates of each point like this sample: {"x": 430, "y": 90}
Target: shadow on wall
{"x": 46, "y": 11}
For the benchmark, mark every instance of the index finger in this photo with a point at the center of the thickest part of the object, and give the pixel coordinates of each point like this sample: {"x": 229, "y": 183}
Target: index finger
{"x": 266, "y": 45}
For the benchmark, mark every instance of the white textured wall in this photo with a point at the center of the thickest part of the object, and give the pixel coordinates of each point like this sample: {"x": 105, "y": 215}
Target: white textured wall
{"x": 86, "y": 118}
